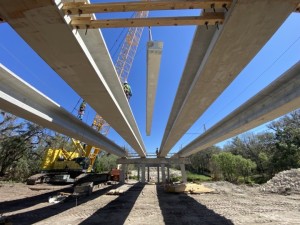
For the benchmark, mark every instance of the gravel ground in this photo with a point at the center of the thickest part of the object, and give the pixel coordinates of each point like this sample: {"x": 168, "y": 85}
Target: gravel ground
{"x": 149, "y": 204}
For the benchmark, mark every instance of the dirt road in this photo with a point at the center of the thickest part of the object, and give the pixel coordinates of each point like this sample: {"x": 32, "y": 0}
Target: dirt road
{"x": 149, "y": 204}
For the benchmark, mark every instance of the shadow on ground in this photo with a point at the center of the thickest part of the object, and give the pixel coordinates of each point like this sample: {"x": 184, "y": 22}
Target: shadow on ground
{"x": 18, "y": 204}
{"x": 36, "y": 215}
{"x": 118, "y": 209}
{"x": 179, "y": 208}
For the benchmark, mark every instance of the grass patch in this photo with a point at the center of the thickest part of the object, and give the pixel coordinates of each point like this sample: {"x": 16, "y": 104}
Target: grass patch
{"x": 193, "y": 177}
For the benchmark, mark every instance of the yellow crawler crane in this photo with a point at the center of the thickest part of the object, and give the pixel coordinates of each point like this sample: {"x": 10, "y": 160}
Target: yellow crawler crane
{"x": 62, "y": 166}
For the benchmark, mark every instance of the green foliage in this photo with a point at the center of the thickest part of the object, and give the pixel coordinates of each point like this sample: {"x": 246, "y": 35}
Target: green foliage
{"x": 105, "y": 163}
{"x": 18, "y": 142}
{"x": 200, "y": 162}
{"x": 232, "y": 167}
{"x": 193, "y": 177}
{"x": 254, "y": 147}
{"x": 244, "y": 167}
{"x": 22, "y": 147}
{"x": 287, "y": 142}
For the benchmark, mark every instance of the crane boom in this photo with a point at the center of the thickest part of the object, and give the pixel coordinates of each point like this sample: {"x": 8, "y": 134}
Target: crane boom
{"x": 128, "y": 50}
{"x": 123, "y": 64}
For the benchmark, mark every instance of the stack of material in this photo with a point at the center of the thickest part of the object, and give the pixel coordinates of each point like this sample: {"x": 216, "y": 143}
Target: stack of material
{"x": 285, "y": 182}
{"x": 187, "y": 188}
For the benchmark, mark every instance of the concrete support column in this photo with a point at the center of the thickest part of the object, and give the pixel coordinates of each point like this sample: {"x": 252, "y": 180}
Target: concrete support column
{"x": 183, "y": 173}
{"x": 168, "y": 169}
{"x": 126, "y": 172}
{"x": 157, "y": 174}
{"x": 138, "y": 175}
{"x": 122, "y": 173}
{"x": 148, "y": 174}
{"x": 143, "y": 173}
{"x": 163, "y": 173}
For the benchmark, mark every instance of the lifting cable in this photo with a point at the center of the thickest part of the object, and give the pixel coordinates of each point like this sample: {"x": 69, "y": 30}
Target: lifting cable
{"x": 26, "y": 68}
{"x": 150, "y": 34}
{"x": 75, "y": 107}
{"x": 117, "y": 39}
{"x": 120, "y": 44}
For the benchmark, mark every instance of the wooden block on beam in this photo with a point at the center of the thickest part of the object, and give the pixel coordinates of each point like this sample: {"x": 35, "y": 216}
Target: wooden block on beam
{"x": 75, "y": 7}
{"x": 207, "y": 19}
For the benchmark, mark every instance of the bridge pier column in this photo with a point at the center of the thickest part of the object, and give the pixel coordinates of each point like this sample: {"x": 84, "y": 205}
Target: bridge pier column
{"x": 163, "y": 173}
{"x": 157, "y": 174}
{"x": 143, "y": 173}
{"x": 183, "y": 173}
{"x": 168, "y": 171}
{"x": 122, "y": 173}
{"x": 138, "y": 173}
{"x": 148, "y": 174}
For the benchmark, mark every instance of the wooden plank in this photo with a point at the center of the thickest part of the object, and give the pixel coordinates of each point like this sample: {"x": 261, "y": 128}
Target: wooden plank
{"x": 73, "y": 8}
{"x": 207, "y": 18}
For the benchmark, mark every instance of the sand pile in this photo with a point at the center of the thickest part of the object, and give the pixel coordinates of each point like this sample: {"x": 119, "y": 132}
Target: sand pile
{"x": 285, "y": 182}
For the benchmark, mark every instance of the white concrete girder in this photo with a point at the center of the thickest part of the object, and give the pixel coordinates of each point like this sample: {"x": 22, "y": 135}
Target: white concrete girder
{"x": 154, "y": 51}
{"x": 247, "y": 27}
{"x": 96, "y": 45}
{"x": 196, "y": 55}
{"x": 42, "y": 26}
{"x": 280, "y": 97}
{"x": 21, "y": 99}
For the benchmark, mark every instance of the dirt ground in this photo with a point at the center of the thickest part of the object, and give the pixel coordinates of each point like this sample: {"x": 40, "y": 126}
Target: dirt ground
{"x": 148, "y": 204}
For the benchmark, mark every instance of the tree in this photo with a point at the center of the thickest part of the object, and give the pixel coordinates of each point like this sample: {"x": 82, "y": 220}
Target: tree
{"x": 257, "y": 148}
{"x": 232, "y": 166}
{"x": 200, "y": 161}
{"x": 105, "y": 163}
{"x": 17, "y": 143}
{"x": 287, "y": 142}
{"x": 244, "y": 167}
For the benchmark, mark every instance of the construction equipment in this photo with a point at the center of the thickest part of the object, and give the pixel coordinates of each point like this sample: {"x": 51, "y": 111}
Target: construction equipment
{"x": 123, "y": 64}
{"x": 75, "y": 166}
{"x": 115, "y": 174}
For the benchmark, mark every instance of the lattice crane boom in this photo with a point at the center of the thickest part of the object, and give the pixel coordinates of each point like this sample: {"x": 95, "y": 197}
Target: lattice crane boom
{"x": 129, "y": 48}
{"x": 123, "y": 64}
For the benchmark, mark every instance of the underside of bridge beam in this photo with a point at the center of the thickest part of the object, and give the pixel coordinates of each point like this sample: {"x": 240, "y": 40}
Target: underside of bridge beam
{"x": 21, "y": 99}
{"x": 42, "y": 25}
{"x": 154, "y": 51}
{"x": 247, "y": 27}
{"x": 280, "y": 97}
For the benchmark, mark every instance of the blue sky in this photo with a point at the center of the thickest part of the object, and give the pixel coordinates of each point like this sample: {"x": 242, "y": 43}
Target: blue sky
{"x": 279, "y": 54}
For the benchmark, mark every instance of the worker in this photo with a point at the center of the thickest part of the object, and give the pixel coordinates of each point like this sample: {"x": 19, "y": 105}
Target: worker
{"x": 127, "y": 90}
{"x": 81, "y": 110}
